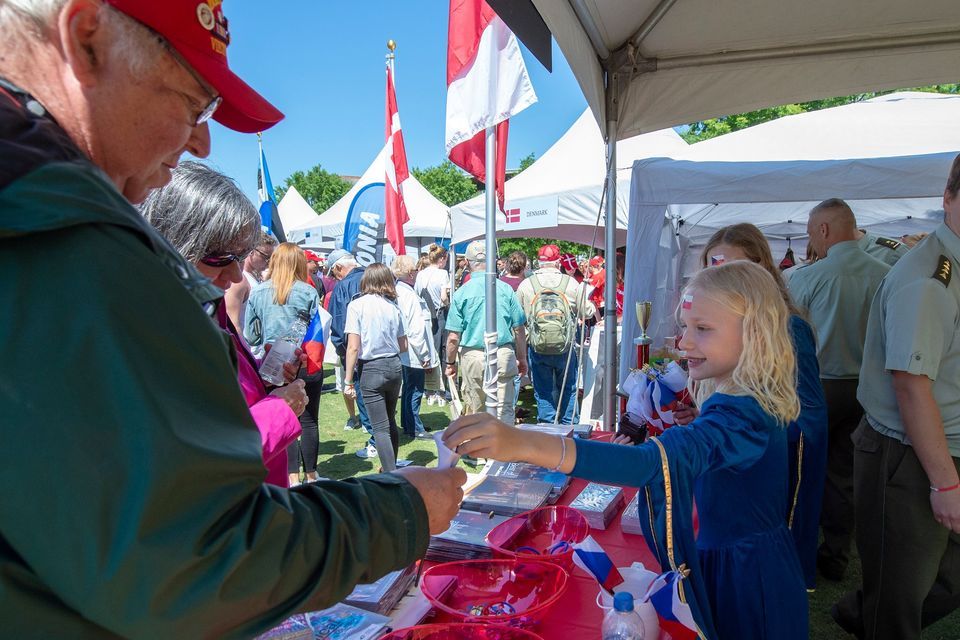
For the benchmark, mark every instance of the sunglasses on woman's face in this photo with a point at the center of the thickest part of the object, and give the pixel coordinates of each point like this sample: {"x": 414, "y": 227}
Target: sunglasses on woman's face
{"x": 220, "y": 259}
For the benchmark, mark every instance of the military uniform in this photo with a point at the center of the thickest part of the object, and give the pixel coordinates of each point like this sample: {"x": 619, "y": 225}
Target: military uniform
{"x": 836, "y": 292}
{"x": 883, "y": 249}
{"x": 911, "y": 564}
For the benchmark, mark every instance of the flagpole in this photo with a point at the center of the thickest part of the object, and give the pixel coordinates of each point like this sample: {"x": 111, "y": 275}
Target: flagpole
{"x": 490, "y": 335}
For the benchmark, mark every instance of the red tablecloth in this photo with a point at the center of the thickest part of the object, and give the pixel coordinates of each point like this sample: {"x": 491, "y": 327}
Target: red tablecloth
{"x": 576, "y": 616}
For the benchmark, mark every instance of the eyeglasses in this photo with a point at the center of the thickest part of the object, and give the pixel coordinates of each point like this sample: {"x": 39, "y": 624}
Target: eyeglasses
{"x": 221, "y": 259}
{"x": 215, "y": 100}
{"x": 266, "y": 256}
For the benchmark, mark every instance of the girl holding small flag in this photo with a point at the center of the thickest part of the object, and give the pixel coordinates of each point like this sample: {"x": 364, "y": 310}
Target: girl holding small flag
{"x": 742, "y": 578}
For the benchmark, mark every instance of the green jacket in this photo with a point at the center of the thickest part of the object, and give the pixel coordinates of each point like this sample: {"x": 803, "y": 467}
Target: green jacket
{"x": 133, "y": 501}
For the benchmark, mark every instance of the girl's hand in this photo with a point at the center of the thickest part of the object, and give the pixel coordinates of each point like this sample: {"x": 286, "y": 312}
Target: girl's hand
{"x": 482, "y": 436}
{"x": 294, "y": 394}
{"x": 622, "y": 438}
{"x": 685, "y": 414}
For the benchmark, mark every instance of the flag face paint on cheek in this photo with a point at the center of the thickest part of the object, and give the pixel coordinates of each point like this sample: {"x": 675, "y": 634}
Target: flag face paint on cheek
{"x": 717, "y": 260}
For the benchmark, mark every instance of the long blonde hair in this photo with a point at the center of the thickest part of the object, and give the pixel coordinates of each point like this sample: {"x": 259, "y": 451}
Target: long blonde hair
{"x": 288, "y": 265}
{"x": 767, "y": 367}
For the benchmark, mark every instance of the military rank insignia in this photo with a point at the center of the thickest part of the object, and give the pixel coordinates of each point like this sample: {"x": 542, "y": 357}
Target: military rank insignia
{"x": 888, "y": 243}
{"x": 944, "y": 271}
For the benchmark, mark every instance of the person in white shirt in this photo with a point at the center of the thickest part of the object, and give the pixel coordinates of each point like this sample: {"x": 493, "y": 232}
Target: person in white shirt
{"x": 433, "y": 284}
{"x": 421, "y": 354}
{"x": 376, "y": 337}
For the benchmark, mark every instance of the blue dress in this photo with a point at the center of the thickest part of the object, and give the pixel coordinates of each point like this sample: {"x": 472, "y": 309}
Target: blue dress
{"x": 808, "y": 451}
{"x": 745, "y": 579}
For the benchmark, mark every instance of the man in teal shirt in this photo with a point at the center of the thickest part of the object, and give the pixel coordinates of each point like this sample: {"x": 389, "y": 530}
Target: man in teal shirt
{"x": 466, "y": 324}
{"x": 836, "y": 292}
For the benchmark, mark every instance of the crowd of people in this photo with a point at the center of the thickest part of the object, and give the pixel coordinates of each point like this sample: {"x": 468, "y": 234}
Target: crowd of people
{"x": 825, "y": 401}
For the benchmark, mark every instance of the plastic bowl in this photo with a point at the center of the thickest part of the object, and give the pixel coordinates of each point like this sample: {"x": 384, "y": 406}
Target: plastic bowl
{"x": 543, "y": 530}
{"x": 505, "y": 592}
{"x": 462, "y": 631}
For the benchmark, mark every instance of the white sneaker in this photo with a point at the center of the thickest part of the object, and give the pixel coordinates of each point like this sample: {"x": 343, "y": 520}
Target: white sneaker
{"x": 431, "y": 399}
{"x": 352, "y": 423}
{"x": 367, "y": 452}
{"x": 441, "y": 401}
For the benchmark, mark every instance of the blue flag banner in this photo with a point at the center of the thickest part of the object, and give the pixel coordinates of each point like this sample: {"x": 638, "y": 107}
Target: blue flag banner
{"x": 269, "y": 217}
{"x": 365, "y": 227}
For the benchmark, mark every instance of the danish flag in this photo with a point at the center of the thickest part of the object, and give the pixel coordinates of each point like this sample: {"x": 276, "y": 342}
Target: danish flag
{"x": 487, "y": 83}
{"x": 397, "y": 172}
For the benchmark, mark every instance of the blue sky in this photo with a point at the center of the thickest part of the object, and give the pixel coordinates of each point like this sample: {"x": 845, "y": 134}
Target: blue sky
{"x": 322, "y": 64}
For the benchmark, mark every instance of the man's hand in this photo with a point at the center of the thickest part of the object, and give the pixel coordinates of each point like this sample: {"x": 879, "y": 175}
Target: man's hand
{"x": 441, "y": 490}
{"x": 522, "y": 366}
{"x": 946, "y": 508}
{"x": 294, "y": 394}
{"x": 450, "y": 369}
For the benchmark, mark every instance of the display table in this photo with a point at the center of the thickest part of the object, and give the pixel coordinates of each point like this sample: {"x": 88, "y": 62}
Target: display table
{"x": 576, "y": 616}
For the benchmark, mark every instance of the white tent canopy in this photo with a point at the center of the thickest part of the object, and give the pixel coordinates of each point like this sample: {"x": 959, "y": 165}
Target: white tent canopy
{"x": 887, "y": 157}
{"x": 294, "y": 210}
{"x": 429, "y": 218}
{"x": 572, "y": 172}
{"x": 680, "y": 62}
{"x": 650, "y": 64}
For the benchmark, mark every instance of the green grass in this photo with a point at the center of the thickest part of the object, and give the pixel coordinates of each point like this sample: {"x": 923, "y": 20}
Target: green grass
{"x": 338, "y": 460}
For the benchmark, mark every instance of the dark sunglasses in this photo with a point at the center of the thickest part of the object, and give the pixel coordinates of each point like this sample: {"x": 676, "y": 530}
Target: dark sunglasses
{"x": 219, "y": 259}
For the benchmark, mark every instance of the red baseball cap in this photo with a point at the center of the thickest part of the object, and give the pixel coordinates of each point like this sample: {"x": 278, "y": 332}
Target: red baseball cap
{"x": 311, "y": 256}
{"x": 197, "y": 29}
{"x": 569, "y": 261}
{"x": 549, "y": 253}
{"x": 596, "y": 262}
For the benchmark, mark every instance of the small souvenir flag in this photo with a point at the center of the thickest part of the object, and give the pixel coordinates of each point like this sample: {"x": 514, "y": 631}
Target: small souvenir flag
{"x": 269, "y": 217}
{"x": 590, "y": 556}
{"x": 315, "y": 339}
{"x": 675, "y": 615}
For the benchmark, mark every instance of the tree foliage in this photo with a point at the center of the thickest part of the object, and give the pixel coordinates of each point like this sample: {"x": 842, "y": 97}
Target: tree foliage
{"x": 320, "y": 188}
{"x": 530, "y": 246}
{"x": 447, "y": 183}
{"x": 527, "y": 161}
{"x": 714, "y": 127}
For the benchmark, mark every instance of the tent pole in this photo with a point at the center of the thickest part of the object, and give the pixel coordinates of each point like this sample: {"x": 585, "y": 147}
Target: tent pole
{"x": 610, "y": 250}
{"x": 490, "y": 334}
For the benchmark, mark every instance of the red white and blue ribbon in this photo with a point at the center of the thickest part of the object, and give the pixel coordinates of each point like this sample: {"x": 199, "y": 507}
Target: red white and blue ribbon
{"x": 675, "y": 615}
{"x": 590, "y": 556}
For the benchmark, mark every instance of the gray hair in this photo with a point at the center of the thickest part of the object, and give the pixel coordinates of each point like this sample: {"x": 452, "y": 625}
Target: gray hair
{"x": 202, "y": 211}
{"x": 131, "y": 41}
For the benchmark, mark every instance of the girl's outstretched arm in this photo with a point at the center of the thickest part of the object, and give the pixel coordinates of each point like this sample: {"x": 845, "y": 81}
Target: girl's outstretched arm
{"x": 482, "y": 435}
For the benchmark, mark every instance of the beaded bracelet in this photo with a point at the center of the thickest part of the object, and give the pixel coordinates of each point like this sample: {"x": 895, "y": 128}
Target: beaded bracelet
{"x": 563, "y": 453}
{"x": 952, "y": 487}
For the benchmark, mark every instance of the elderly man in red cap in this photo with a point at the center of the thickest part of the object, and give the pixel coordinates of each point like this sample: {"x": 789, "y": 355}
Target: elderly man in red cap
{"x": 154, "y": 521}
{"x": 554, "y": 304}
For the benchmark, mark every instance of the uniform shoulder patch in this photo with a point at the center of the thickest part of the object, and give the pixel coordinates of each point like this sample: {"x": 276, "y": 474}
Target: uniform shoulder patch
{"x": 944, "y": 271}
{"x": 888, "y": 243}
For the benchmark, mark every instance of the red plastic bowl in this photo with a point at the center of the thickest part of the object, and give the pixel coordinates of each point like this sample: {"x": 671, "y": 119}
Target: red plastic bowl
{"x": 461, "y": 631}
{"x": 540, "y": 529}
{"x": 507, "y": 592}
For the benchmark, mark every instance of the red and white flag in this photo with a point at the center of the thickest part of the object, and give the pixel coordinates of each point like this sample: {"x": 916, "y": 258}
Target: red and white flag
{"x": 397, "y": 172}
{"x": 487, "y": 83}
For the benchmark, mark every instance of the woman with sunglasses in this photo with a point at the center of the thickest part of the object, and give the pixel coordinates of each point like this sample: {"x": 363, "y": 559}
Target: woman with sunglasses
{"x": 206, "y": 217}
{"x": 273, "y": 306}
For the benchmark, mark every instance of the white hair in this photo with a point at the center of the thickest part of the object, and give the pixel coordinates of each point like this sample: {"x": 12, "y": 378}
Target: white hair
{"x": 131, "y": 42}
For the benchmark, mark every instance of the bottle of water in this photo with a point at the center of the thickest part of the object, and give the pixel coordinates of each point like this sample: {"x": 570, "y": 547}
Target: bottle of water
{"x": 622, "y": 622}
{"x": 283, "y": 350}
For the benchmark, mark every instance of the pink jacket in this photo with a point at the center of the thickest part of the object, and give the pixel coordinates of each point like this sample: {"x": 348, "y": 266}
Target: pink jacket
{"x": 278, "y": 425}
